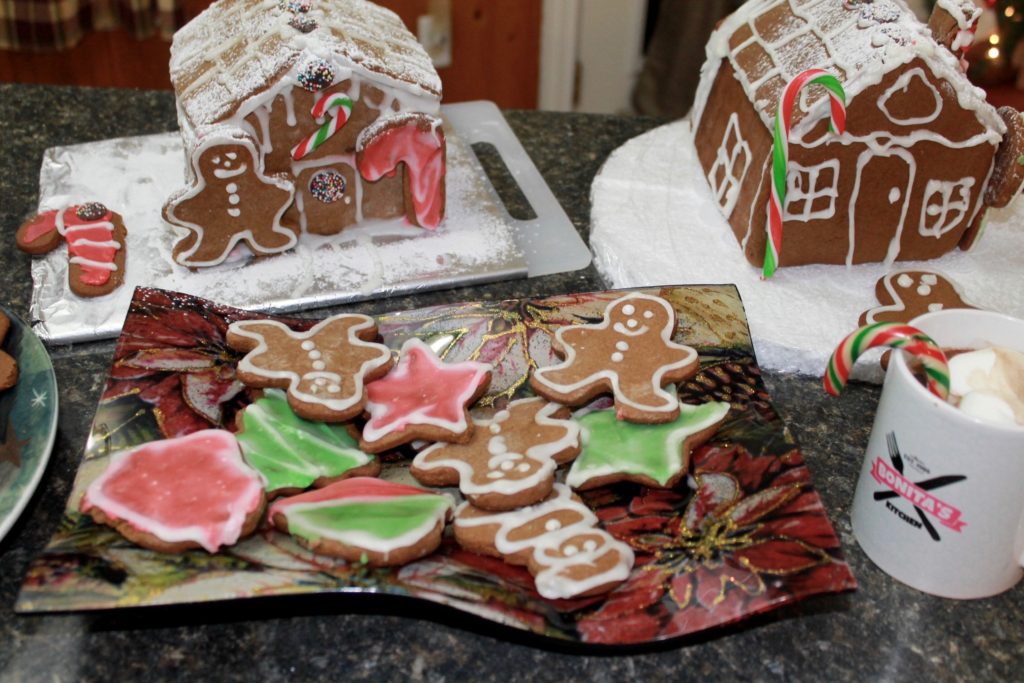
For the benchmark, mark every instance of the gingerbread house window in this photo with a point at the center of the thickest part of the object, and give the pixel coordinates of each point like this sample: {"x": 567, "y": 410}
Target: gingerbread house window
{"x": 945, "y": 205}
{"x": 811, "y": 191}
{"x": 731, "y": 163}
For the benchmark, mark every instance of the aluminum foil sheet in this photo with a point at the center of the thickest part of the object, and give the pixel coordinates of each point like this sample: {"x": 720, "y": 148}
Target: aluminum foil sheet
{"x": 134, "y": 176}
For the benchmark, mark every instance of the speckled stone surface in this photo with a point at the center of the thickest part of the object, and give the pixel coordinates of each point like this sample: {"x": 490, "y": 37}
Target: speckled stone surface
{"x": 883, "y": 631}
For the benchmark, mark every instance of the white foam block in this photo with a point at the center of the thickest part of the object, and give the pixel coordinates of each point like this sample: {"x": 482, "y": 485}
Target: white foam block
{"x": 654, "y": 222}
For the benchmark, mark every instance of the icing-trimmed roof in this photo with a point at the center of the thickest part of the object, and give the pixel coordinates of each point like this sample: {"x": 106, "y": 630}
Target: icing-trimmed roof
{"x": 237, "y": 49}
{"x": 768, "y": 42}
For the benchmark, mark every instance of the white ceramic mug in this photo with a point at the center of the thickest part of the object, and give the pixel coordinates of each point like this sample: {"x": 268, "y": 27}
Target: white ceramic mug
{"x": 940, "y": 500}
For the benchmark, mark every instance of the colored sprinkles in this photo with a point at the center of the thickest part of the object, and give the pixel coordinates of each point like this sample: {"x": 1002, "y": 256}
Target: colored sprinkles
{"x": 327, "y": 186}
{"x": 296, "y": 6}
{"x": 316, "y": 75}
{"x": 303, "y": 23}
{"x": 91, "y": 211}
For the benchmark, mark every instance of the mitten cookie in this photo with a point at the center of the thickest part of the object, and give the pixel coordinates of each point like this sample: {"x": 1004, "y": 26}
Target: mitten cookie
{"x": 655, "y": 455}
{"x": 422, "y": 398}
{"x": 380, "y": 523}
{"x": 416, "y": 140}
{"x": 558, "y": 540}
{"x": 629, "y": 354}
{"x": 230, "y": 201}
{"x": 170, "y": 495}
{"x": 96, "y": 244}
{"x": 8, "y": 366}
{"x": 906, "y": 294}
{"x": 509, "y": 461}
{"x": 324, "y": 369}
{"x": 293, "y": 454}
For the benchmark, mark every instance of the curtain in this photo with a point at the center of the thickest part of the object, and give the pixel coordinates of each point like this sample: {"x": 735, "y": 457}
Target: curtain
{"x": 40, "y": 25}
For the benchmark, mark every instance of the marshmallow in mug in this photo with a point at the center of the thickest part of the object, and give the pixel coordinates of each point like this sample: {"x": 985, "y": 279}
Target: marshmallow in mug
{"x": 988, "y": 384}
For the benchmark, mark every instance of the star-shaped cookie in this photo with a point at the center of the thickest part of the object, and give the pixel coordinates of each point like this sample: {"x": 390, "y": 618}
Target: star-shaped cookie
{"x": 630, "y": 354}
{"x": 510, "y": 459}
{"x": 324, "y": 370}
{"x": 422, "y": 398}
{"x": 653, "y": 455}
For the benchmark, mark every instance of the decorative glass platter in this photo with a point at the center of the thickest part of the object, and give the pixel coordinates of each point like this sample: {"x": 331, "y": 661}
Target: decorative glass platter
{"x": 28, "y": 421}
{"x": 745, "y": 534}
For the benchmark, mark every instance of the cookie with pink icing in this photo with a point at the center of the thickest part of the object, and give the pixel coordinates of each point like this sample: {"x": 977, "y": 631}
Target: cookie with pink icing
{"x": 422, "y": 398}
{"x": 558, "y": 540}
{"x": 171, "y": 495}
{"x": 629, "y": 354}
{"x": 367, "y": 520}
{"x": 511, "y": 458}
{"x": 905, "y": 294}
{"x": 96, "y": 239}
{"x": 323, "y": 370}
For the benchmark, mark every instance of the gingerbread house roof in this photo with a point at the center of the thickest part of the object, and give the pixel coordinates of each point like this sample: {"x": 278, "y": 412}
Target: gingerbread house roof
{"x": 768, "y": 42}
{"x": 237, "y": 49}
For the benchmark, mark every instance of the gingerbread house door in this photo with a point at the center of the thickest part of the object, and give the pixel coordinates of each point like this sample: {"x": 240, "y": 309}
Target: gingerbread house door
{"x": 878, "y": 209}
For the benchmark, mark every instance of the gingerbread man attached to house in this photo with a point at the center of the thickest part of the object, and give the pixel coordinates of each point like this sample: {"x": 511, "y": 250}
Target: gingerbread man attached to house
{"x": 629, "y": 354}
{"x": 230, "y": 200}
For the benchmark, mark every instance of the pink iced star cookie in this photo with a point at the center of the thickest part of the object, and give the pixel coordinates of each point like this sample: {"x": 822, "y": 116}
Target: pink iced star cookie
{"x": 422, "y": 398}
{"x": 629, "y": 354}
{"x": 324, "y": 370}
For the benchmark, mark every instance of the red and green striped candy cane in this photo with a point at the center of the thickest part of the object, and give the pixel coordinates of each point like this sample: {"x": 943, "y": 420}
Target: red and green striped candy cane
{"x": 340, "y": 108}
{"x": 895, "y": 335}
{"x": 780, "y": 151}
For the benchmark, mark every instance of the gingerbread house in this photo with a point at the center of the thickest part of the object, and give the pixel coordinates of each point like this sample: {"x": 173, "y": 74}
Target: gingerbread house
{"x": 915, "y": 170}
{"x": 301, "y": 116}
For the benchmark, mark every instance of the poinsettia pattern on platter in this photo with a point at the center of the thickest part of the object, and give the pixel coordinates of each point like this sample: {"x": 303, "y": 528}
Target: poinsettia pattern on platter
{"x": 747, "y": 532}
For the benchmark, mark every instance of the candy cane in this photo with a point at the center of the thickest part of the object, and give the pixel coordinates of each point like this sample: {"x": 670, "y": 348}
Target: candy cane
{"x": 780, "y": 151}
{"x": 896, "y": 335}
{"x": 340, "y": 108}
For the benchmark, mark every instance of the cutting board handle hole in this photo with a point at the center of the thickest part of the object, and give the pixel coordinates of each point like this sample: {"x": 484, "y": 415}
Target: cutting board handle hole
{"x": 511, "y": 195}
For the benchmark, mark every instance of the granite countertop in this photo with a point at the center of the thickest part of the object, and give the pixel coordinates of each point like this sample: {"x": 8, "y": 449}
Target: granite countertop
{"x": 882, "y": 631}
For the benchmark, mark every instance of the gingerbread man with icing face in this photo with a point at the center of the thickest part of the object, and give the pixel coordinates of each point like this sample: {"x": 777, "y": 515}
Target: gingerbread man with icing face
{"x": 629, "y": 354}
{"x": 231, "y": 201}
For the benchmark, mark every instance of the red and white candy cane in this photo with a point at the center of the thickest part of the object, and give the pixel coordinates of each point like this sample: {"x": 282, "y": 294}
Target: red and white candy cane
{"x": 780, "y": 151}
{"x": 898, "y": 336}
{"x": 340, "y": 108}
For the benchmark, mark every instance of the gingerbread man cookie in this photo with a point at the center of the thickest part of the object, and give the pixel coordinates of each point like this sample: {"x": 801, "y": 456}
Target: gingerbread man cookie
{"x": 558, "y": 540}
{"x": 423, "y": 398}
{"x": 324, "y": 370}
{"x": 8, "y": 366}
{"x": 375, "y": 522}
{"x": 510, "y": 460}
{"x": 630, "y": 354}
{"x": 906, "y": 294}
{"x": 230, "y": 201}
{"x": 96, "y": 244}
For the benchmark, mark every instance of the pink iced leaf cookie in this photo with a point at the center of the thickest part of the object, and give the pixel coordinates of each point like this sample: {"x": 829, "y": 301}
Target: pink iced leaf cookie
{"x": 324, "y": 370}
{"x": 558, "y": 540}
{"x": 629, "y": 354}
{"x": 422, "y": 398}
{"x": 511, "y": 458}
{"x": 362, "y": 519}
{"x": 191, "y": 491}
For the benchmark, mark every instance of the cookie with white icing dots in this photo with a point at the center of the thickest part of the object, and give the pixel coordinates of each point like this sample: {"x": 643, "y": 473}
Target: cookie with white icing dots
{"x": 511, "y": 458}
{"x": 324, "y": 370}
{"x": 96, "y": 239}
{"x": 629, "y": 354}
{"x": 171, "y": 495}
{"x": 558, "y": 540}
{"x": 8, "y": 365}
{"x": 906, "y": 294}
{"x": 375, "y": 522}
{"x": 422, "y": 398}
{"x": 293, "y": 454}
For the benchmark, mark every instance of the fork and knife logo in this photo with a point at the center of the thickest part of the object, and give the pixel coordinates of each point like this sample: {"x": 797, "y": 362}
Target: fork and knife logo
{"x": 918, "y": 494}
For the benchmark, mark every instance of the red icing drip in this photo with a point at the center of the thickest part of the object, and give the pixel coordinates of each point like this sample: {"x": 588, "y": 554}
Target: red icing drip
{"x": 43, "y": 224}
{"x": 422, "y": 152}
{"x": 90, "y": 275}
{"x": 420, "y": 387}
{"x": 191, "y": 481}
{"x": 356, "y": 487}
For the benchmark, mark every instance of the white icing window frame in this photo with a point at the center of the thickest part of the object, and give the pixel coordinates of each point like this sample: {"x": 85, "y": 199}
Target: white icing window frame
{"x": 901, "y": 84}
{"x": 936, "y": 219}
{"x": 729, "y": 152}
{"x": 811, "y": 193}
